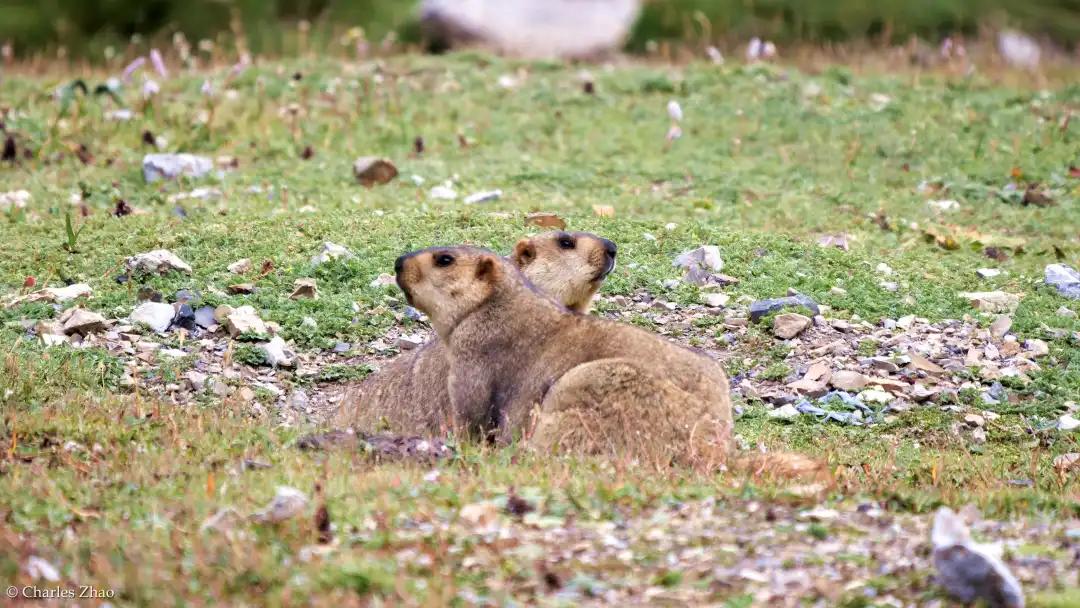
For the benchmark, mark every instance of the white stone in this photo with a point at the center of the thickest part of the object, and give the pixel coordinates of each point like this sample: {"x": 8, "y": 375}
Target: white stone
{"x": 244, "y": 320}
{"x": 287, "y": 503}
{"x": 158, "y": 261}
{"x": 155, "y": 315}
{"x": 278, "y": 353}
{"x": 240, "y": 266}
{"x": 332, "y": 251}
{"x": 169, "y": 166}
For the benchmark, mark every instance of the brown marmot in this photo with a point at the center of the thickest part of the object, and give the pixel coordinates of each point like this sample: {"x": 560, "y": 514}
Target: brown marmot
{"x": 595, "y": 386}
{"x": 410, "y": 395}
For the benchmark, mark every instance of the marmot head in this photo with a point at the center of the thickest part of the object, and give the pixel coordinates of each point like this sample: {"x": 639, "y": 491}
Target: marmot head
{"x": 568, "y": 266}
{"x": 448, "y": 283}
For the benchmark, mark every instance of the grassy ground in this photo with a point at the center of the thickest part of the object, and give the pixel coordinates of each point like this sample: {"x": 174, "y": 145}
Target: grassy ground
{"x": 769, "y": 160}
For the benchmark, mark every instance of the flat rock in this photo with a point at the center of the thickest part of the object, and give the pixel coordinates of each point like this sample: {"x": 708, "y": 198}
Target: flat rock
{"x": 848, "y": 380}
{"x": 992, "y": 301}
{"x": 204, "y": 317}
{"x": 987, "y": 273}
{"x": 760, "y": 308}
{"x": 332, "y": 251}
{"x": 304, "y": 289}
{"x": 372, "y": 170}
{"x": 789, "y": 325}
{"x": 158, "y": 316}
{"x": 715, "y": 300}
{"x": 408, "y": 342}
{"x": 81, "y": 321}
{"x": 483, "y": 197}
{"x": 170, "y": 166}
{"x": 244, "y": 320}
{"x": 53, "y": 295}
{"x": 921, "y": 363}
{"x": 158, "y": 261}
{"x": 706, "y": 256}
{"x": 1065, "y": 279}
{"x": 874, "y": 395}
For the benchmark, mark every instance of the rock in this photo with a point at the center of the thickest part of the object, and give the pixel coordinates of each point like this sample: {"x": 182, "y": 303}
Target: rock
{"x": 244, "y": 320}
{"x": 545, "y": 220}
{"x": 241, "y": 288}
{"x": 483, "y": 197}
{"x": 992, "y": 301}
{"x": 1001, "y": 326}
{"x": 969, "y": 571}
{"x": 706, "y": 256}
{"x": 789, "y": 325}
{"x": 840, "y": 241}
{"x": 1018, "y": 49}
{"x": 921, "y": 363}
{"x": 890, "y": 286}
{"x": 1068, "y": 313}
{"x": 784, "y": 412}
{"x": 443, "y": 193}
{"x": 1037, "y": 348}
{"x": 974, "y": 420}
{"x": 287, "y": 503}
{"x": 409, "y": 342}
{"x": 158, "y": 316}
{"x": 196, "y": 379}
{"x": 530, "y": 28}
{"x": 82, "y": 321}
{"x": 278, "y": 353}
{"x": 342, "y": 347}
{"x": 987, "y": 273}
{"x": 837, "y": 291}
{"x": 240, "y": 266}
{"x": 943, "y": 204}
{"x": 848, "y": 380}
{"x": 874, "y": 395}
{"x": 814, "y": 382}
{"x": 884, "y": 269}
{"x": 715, "y": 300}
{"x": 372, "y": 170}
{"x": 52, "y": 294}
{"x": 185, "y": 296}
{"x": 172, "y": 353}
{"x": 978, "y": 435}
{"x": 760, "y": 308}
{"x": 1065, "y": 279}
{"x": 304, "y": 288}
{"x": 1067, "y": 462}
{"x": 332, "y": 251}
{"x": 159, "y": 261}
{"x": 921, "y": 393}
{"x": 170, "y": 166}
{"x": 185, "y": 317}
{"x": 204, "y": 317}
{"x": 246, "y": 394}
{"x": 219, "y": 388}
{"x": 1068, "y": 423}
{"x": 384, "y": 280}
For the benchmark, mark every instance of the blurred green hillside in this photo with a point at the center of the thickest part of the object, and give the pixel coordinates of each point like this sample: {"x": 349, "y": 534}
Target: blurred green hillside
{"x": 86, "y": 28}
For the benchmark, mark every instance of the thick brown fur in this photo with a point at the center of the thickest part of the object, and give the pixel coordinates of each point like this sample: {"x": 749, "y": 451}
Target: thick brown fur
{"x": 522, "y": 365}
{"x": 410, "y": 394}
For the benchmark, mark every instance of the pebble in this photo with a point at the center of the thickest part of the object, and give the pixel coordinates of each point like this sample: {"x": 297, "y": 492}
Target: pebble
{"x": 158, "y": 261}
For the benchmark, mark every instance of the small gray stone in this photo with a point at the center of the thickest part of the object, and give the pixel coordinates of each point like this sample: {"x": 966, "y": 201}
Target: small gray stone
{"x": 82, "y": 321}
{"x": 158, "y": 261}
{"x": 204, "y": 317}
{"x": 407, "y": 342}
{"x": 170, "y": 166}
{"x": 1065, "y": 279}
{"x": 969, "y": 571}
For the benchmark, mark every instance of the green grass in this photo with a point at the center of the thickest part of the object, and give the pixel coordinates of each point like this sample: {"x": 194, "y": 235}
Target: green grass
{"x": 763, "y": 169}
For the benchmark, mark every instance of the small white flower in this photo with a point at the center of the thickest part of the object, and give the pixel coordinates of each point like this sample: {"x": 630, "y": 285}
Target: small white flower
{"x": 753, "y": 49}
{"x": 674, "y": 110}
{"x": 150, "y": 88}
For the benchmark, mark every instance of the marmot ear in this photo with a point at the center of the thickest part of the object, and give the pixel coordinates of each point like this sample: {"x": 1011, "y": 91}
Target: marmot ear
{"x": 524, "y": 253}
{"x": 486, "y": 269}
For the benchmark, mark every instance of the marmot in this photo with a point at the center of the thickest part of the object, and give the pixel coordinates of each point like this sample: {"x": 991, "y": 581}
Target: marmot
{"x": 410, "y": 395}
{"x": 522, "y": 364}
{"x": 597, "y": 386}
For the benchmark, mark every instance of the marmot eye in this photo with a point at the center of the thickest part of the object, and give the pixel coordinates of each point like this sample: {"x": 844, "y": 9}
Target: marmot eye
{"x": 566, "y": 242}
{"x": 443, "y": 260}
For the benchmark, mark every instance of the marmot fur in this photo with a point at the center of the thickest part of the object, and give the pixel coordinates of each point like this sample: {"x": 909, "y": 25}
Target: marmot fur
{"x": 409, "y": 396}
{"x": 596, "y": 386}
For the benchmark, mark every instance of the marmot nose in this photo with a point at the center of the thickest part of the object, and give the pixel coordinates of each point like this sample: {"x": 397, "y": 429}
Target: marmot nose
{"x": 399, "y": 264}
{"x": 610, "y": 248}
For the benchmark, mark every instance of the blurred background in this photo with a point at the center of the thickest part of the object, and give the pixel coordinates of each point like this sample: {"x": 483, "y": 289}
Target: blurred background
{"x": 86, "y": 29}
